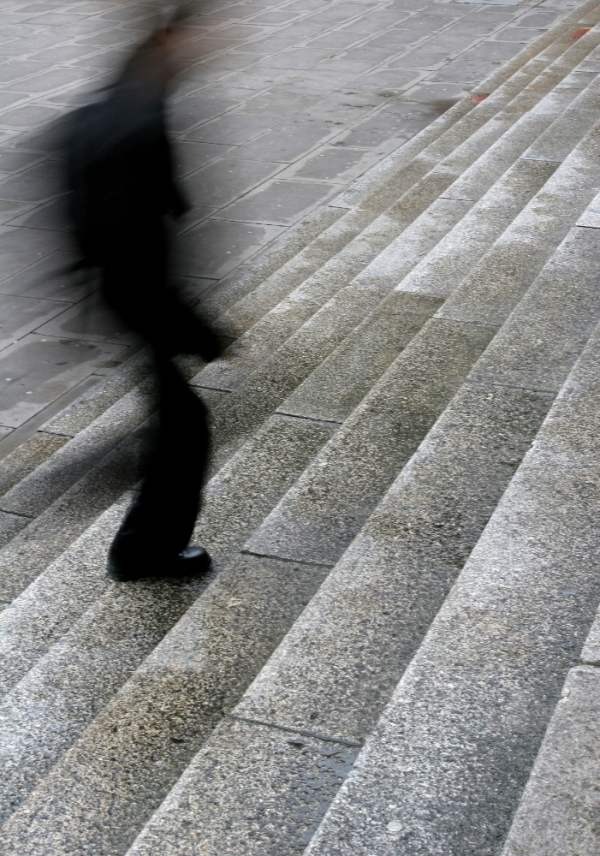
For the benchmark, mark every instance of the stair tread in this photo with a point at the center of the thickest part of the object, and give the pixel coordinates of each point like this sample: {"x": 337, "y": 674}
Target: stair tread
{"x": 467, "y": 718}
{"x": 422, "y": 729}
{"x": 112, "y": 697}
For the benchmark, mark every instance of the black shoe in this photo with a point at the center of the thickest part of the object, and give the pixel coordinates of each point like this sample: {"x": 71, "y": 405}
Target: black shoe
{"x": 191, "y": 562}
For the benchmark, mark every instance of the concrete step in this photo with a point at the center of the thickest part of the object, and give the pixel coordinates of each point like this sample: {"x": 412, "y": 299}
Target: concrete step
{"x": 446, "y": 765}
{"x": 473, "y": 164}
{"x": 558, "y": 810}
{"x": 269, "y": 770}
{"x": 17, "y": 513}
{"x": 87, "y": 674}
{"x": 401, "y": 170}
{"x": 486, "y": 294}
{"x": 151, "y": 689}
{"x": 67, "y": 607}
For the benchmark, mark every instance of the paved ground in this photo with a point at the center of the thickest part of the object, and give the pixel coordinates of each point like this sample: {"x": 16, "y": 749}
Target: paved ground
{"x": 286, "y": 103}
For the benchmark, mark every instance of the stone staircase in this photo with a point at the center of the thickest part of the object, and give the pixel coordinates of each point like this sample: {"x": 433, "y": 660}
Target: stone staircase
{"x": 402, "y": 511}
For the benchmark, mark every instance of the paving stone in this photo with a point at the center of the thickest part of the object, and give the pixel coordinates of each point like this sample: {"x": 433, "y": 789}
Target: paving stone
{"x": 47, "y": 370}
{"x": 232, "y": 129}
{"x": 227, "y": 179}
{"x": 90, "y": 320}
{"x": 278, "y": 202}
{"x": 21, "y": 315}
{"x": 283, "y": 144}
{"x": 28, "y": 116}
{"x": 201, "y": 251}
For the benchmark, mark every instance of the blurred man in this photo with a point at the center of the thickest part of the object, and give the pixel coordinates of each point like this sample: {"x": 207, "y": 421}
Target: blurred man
{"x": 121, "y": 184}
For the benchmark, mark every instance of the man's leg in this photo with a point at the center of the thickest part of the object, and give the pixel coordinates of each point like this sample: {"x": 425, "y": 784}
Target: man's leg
{"x": 160, "y": 523}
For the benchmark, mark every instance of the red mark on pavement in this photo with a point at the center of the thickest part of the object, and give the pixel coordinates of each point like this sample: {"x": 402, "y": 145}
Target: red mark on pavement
{"x": 479, "y": 97}
{"x": 581, "y": 31}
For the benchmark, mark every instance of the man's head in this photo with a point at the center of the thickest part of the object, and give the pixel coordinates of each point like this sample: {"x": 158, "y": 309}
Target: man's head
{"x": 158, "y": 60}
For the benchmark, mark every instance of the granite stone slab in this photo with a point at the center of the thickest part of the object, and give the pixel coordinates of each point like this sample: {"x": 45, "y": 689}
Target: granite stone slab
{"x": 342, "y": 380}
{"x": 465, "y": 723}
{"x": 329, "y": 504}
{"x": 337, "y": 667}
{"x": 559, "y": 809}
{"x": 101, "y": 397}
{"x": 68, "y": 464}
{"x": 22, "y": 461}
{"x": 501, "y": 278}
{"x": 249, "y": 276}
{"x": 61, "y": 593}
{"x": 268, "y": 764}
{"x": 45, "y": 538}
{"x": 10, "y": 524}
{"x": 549, "y": 327}
{"x": 57, "y": 698}
{"x": 447, "y": 264}
{"x": 180, "y": 693}
{"x": 122, "y": 629}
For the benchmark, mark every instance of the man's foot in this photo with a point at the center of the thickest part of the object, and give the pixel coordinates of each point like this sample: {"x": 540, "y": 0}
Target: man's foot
{"x": 191, "y": 562}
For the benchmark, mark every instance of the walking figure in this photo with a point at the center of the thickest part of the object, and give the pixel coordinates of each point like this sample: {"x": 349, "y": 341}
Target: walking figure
{"x": 121, "y": 188}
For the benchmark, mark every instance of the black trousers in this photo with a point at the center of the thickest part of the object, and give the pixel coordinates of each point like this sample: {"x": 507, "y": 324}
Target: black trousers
{"x": 161, "y": 521}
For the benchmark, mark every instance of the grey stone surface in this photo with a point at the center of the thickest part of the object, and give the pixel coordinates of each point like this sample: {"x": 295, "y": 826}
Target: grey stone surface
{"x": 99, "y": 811}
{"x": 26, "y": 458}
{"x": 327, "y": 507}
{"x": 64, "y": 590}
{"x": 109, "y": 641}
{"x": 335, "y": 388}
{"x": 557, "y": 142}
{"x": 500, "y": 279}
{"x": 46, "y": 537}
{"x": 83, "y": 453}
{"x": 10, "y": 524}
{"x": 331, "y": 286}
{"x": 100, "y": 398}
{"x": 466, "y": 721}
{"x": 243, "y": 83}
{"x": 336, "y": 669}
{"x": 40, "y": 370}
{"x": 394, "y": 260}
{"x": 591, "y": 215}
{"x": 549, "y": 327}
{"x": 57, "y": 698}
{"x": 164, "y": 713}
{"x": 237, "y": 498}
{"x": 241, "y": 413}
{"x": 452, "y": 259}
{"x": 273, "y": 765}
{"x": 591, "y": 650}
{"x": 559, "y": 809}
